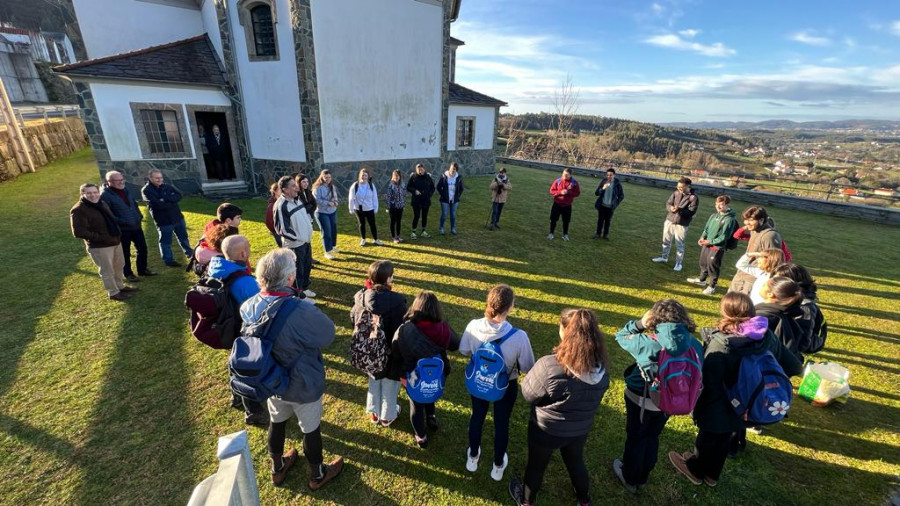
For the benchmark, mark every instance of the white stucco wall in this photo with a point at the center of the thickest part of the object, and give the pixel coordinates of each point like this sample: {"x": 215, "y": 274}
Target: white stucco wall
{"x": 484, "y": 125}
{"x": 114, "y": 110}
{"x": 378, "y": 65}
{"x": 271, "y": 92}
{"x": 117, "y": 26}
{"x": 211, "y": 25}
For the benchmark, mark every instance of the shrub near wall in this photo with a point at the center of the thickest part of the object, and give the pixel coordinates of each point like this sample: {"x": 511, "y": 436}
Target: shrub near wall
{"x": 47, "y": 142}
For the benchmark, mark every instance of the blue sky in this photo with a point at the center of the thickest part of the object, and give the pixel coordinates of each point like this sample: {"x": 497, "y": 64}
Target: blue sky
{"x": 687, "y": 60}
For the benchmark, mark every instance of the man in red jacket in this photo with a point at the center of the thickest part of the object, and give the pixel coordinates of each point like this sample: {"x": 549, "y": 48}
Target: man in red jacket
{"x": 564, "y": 191}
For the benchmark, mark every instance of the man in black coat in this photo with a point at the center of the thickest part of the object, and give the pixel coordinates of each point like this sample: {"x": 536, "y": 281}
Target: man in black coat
{"x": 129, "y": 218}
{"x": 163, "y": 201}
{"x": 219, "y": 153}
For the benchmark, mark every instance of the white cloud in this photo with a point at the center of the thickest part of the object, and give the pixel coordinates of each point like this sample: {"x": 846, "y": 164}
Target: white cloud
{"x": 690, "y": 33}
{"x": 895, "y": 28}
{"x": 673, "y": 41}
{"x": 657, "y": 8}
{"x": 806, "y": 37}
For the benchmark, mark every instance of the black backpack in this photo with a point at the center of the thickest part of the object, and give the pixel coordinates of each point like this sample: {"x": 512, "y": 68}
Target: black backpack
{"x": 215, "y": 320}
{"x": 813, "y": 323}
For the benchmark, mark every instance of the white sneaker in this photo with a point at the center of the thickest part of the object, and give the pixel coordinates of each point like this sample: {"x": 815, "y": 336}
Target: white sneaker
{"x": 660, "y": 260}
{"x": 334, "y": 250}
{"x": 329, "y": 256}
{"x": 472, "y": 462}
{"x": 378, "y": 242}
{"x": 565, "y": 237}
{"x": 362, "y": 242}
{"x": 677, "y": 267}
{"x": 709, "y": 290}
{"x": 309, "y": 293}
{"x": 696, "y": 281}
{"x": 551, "y": 236}
{"x": 497, "y": 472}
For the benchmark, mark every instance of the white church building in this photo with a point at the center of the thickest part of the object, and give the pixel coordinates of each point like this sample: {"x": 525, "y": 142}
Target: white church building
{"x": 228, "y": 95}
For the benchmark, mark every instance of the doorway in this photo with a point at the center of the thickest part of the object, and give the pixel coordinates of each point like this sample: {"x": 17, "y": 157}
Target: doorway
{"x": 215, "y": 145}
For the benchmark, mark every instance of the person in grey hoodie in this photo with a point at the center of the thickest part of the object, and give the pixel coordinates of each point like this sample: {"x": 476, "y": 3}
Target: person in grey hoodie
{"x": 517, "y": 357}
{"x": 298, "y": 348}
{"x": 667, "y": 325}
{"x": 739, "y": 332}
{"x": 564, "y": 390}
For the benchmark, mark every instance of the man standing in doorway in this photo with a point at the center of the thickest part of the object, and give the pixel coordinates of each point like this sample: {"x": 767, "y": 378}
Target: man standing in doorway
{"x": 681, "y": 207}
{"x": 129, "y": 218}
{"x": 163, "y": 202}
{"x": 609, "y": 195}
{"x": 219, "y": 153}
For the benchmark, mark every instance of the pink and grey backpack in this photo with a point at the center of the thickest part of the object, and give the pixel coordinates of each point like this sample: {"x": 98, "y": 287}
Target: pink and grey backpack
{"x": 678, "y": 381}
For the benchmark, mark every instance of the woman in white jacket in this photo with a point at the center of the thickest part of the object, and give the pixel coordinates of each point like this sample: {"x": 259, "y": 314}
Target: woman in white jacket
{"x": 517, "y": 357}
{"x": 364, "y": 204}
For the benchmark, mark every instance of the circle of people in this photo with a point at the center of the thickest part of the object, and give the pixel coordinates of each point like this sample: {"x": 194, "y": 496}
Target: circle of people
{"x": 769, "y": 310}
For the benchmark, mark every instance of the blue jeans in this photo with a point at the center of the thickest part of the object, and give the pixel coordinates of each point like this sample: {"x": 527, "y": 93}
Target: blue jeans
{"x": 328, "y": 226}
{"x": 165, "y": 240}
{"x": 451, "y": 209}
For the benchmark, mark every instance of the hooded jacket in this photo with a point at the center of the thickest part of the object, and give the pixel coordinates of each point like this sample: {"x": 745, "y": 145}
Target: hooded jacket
{"x": 424, "y": 185}
{"x": 388, "y": 305}
{"x": 686, "y": 207}
{"x": 721, "y": 363}
{"x": 719, "y": 228}
{"x": 645, "y": 348}
{"x": 443, "y": 188}
{"x": 243, "y": 287}
{"x": 783, "y": 322}
{"x": 517, "y": 353}
{"x": 563, "y": 404}
{"x": 417, "y": 340}
{"x": 305, "y": 333}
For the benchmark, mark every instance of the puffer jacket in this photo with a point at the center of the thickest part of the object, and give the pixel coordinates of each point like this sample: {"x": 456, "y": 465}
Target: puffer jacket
{"x": 128, "y": 214}
{"x": 388, "y": 305}
{"x": 305, "y": 333}
{"x": 417, "y": 340}
{"x": 721, "y": 363}
{"x": 424, "y": 185}
{"x": 563, "y": 404}
{"x": 645, "y": 348}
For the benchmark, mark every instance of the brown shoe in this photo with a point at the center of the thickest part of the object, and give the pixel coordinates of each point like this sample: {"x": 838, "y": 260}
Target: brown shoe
{"x": 287, "y": 460}
{"x": 331, "y": 471}
{"x": 678, "y": 461}
{"x": 129, "y": 289}
{"x": 121, "y": 296}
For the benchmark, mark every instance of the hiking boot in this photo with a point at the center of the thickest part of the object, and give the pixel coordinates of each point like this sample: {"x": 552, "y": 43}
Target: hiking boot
{"x": 709, "y": 290}
{"x": 431, "y": 422}
{"x": 472, "y": 462}
{"x": 287, "y": 461}
{"x": 129, "y": 289}
{"x": 257, "y": 419}
{"x": 497, "y": 471}
{"x": 659, "y": 260}
{"x": 327, "y": 472}
{"x": 131, "y": 278}
{"x": 617, "y": 470}
{"x": 680, "y": 464}
{"x": 677, "y": 268}
{"x": 696, "y": 281}
{"x": 517, "y": 491}
{"x": 120, "y": 296}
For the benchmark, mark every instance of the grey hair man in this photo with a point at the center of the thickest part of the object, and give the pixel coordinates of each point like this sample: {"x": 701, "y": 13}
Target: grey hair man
{"x": 163, "y": 201}
{"x": 129, "y": 218}
{"x": 297, "y": 347}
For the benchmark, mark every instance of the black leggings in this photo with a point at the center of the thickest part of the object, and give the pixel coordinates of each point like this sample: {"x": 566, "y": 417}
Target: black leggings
{"x": 502, "y": 411}
{"x": 396, "y": 216}
{"x": 420, "y": 210}
{"x": 541, "y": 446}
{"x": 555, "y": 212}
{"x": 312, "y": 446}
{"x": 366, "y": 216}
{"x": 417, "y": 414}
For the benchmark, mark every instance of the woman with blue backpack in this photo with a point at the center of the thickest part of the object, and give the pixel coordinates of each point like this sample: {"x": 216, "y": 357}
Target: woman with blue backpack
{"x": 500, "y": 352}
{"x": 564, "y": 390}
{"x": 740, "y": 345}
{"x": 419, "y": 360}
{"x": 664, "y": 352}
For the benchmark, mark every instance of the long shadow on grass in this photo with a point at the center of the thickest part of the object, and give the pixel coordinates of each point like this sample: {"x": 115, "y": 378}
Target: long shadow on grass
{"x": 878, "y": 335}
{"x": 862, "y": 356}
{"x": 863, "y": 311}
{"x": 838, "y": 443}
{"x": 875, "y": 393}
{"x": 142, "y": 444}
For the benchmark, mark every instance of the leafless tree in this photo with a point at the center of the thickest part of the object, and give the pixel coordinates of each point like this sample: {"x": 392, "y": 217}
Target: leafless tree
{"x": 565, "y": 107}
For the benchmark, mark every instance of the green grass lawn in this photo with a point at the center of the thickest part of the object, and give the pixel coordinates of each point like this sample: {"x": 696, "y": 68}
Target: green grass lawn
{"x": 115, "y": 403}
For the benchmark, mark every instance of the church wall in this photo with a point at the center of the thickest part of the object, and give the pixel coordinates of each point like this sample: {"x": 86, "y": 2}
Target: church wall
{"x": 484, "y": 125}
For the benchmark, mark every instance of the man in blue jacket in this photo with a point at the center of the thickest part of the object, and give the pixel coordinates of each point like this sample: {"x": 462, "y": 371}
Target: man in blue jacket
{"x": 123, "y": 206}
{"x": 163, "y": 202}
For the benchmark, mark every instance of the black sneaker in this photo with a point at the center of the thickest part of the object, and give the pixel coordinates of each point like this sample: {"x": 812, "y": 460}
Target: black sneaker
{"x": 173, "y": 263}
{"x": 517, "y": 491}
{"x": 147, "y": 273}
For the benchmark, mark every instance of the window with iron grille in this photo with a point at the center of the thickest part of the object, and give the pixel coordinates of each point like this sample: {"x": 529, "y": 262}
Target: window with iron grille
{"x": 465, "y": 132}
{"x": 162, "y": 131}
{"x": 263, "y": 30}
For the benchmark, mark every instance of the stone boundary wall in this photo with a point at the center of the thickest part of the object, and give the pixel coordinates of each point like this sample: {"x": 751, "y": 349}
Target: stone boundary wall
{"x": 857, "y": 211}
{"x": 47, "y": 142}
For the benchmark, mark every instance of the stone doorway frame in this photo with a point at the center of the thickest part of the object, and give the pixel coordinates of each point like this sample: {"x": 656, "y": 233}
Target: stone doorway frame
{"x": 192, "y": 109}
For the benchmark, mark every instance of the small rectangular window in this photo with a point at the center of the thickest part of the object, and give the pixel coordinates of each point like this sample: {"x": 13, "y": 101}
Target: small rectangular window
{"x": 163, "y": 133}
{"x": 263, "y": 30}
{"x": 465, "y": 132}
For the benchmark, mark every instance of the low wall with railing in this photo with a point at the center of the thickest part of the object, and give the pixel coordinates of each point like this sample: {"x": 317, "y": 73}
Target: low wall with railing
{"x": 858, "y": 211}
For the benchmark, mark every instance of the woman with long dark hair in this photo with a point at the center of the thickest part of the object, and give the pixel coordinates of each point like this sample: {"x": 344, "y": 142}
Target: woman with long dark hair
{"x": 326, "y": 211}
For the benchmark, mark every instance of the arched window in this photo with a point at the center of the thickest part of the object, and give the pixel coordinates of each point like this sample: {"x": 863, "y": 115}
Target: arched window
{"x": 263, "y": 30}
{"x": 259, "y": 18}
